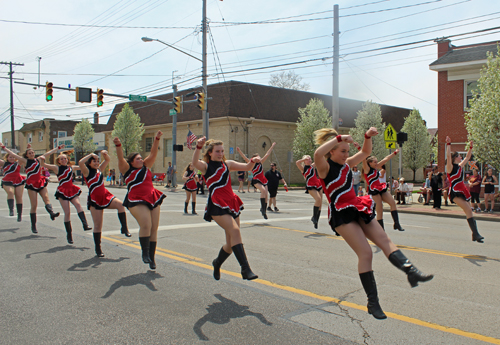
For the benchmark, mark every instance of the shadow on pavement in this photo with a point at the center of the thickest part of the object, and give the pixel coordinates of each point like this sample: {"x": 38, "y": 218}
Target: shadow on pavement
{"x": 476, "y": 259}
{"x": 145, "y": 279}
{"x": 92, "y": 263}
{"x": 57, "y": 250}
{"x": 13, "y": 230}
{"x": 30, "y": 237}
{"x": 222, "y": 312}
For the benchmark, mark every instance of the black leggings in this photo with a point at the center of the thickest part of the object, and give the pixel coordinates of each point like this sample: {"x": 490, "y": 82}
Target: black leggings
{"x": 474, "y": 198}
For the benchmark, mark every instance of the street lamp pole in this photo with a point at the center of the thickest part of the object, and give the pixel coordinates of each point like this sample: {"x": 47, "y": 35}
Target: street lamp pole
{"x": 174, "y": 136}
{"x": 204, "y": 112}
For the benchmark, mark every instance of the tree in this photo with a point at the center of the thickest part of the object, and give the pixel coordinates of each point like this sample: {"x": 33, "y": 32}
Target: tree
{"x": 417, "y": 150}
{"x": 288, "y": 80}
{"x": 483, "y": 119}
{"x": 83, "y": 138}
{"x": 370, "y": 115}
{"x": 311, "y": 118}
{"x": 129, "y": 129}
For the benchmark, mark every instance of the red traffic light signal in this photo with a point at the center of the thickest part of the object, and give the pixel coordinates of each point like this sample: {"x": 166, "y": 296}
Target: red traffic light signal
{"x": 100, "y": 97}
{"x": 49, "y": 91}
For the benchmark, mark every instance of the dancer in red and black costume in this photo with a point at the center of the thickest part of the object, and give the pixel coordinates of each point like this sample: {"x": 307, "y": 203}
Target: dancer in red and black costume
{"x": 99, "y": 197}
{"x": 142, "y": 199}
{"x": 352, "y": 217}
{"x": 259, "y": 181}
{"x": 378, "y": 190}
{"x": 67, "y": 192}
{"x": 223, "y": 206}
{"x": 313, "y": 185}
{"x": 190, "y": 186}
{"x": 13, "y": 183}
{"x": 459, "y": 194}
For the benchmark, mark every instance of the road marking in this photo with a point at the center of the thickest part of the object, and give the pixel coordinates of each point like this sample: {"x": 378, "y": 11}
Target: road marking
{"x": 191, "y": 260}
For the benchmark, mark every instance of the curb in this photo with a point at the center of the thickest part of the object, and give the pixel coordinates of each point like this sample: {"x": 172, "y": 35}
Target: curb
{"x": 446, "y": 215}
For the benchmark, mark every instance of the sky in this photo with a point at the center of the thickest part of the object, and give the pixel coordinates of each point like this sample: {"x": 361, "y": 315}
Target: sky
{"x": 386, "y": 47}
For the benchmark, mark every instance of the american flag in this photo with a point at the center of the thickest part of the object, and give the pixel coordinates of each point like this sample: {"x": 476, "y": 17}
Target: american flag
{"x": 191, "y": 138}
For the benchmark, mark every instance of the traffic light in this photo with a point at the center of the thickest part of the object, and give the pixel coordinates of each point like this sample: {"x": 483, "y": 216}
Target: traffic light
{"x": 100, "y": 97}
{"x": 201, "y": 100}
{"x": 48, "y": 91}
{"x": 177, "y": 104}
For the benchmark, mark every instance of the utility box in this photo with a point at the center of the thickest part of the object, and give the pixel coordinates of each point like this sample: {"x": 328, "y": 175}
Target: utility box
{"x": 83, "y": 94}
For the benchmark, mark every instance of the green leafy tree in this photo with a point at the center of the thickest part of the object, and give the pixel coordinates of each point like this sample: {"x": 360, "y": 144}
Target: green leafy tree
{"x": 288, "y": 80}
{"x": 129, "y": 129}
{"x": 311, "y": 118}
{"x": 417, "y": 150}
{"x": 435, "y": 149}
{"x": 83, "y": 138}
{"x": 483, "y": 119}
{"x": 369, "y": 116}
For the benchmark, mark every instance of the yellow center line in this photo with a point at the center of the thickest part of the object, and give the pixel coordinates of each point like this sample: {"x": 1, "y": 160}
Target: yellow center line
{"x": 188, "y": 259}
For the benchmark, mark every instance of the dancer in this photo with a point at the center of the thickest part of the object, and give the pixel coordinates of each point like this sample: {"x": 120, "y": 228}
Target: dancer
{"x": 223, "y": 206}
{"x": 191, "y": 186}
{"x": 142, "y": 199}
{"x": 13, "y": 183}
{"x": 67, "y": 192}
{"x": 489, "y": 182}
{"x": 459, "y": 194}
{"x": 351, "y": 217}
{"x": 313, "y": 185}
{"x": 379, "y": 190}
{"x": 99, "y": 197}
{"x": 259, "y": 181}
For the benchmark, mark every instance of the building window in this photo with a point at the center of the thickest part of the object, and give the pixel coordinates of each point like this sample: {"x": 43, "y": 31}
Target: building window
{"x": 62, "y": 134}
{"x": 30, "y": 137}
{"x": 168, "y": 147}
{"x": 6, "y": 142}
{"x": 40, "y": 136}
{"x": 469, "y": 87}
{"x": 149, "y": 144}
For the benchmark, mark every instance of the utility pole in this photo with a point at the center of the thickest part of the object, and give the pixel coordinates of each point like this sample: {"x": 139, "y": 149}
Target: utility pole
{"x": 204, "y": 112}
{"x": 174, "y": 137}
{"x": 335, "y": 88}
{"x": 11, "y": 73}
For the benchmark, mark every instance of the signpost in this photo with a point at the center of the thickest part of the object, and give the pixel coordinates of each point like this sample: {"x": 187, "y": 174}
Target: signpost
{"x": 172, "y": 112}
{"x": 390, "y": 137}
{"x": 138, "y": 98}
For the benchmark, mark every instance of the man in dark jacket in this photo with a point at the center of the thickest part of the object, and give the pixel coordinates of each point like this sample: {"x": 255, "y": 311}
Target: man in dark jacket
{"x": 437, "y": 187}
{"x": 273, "y": 177}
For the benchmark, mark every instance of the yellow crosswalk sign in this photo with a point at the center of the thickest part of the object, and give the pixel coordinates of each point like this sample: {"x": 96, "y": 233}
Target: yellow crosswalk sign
{"x": 390, "y": 145}
{"x": 390, "y": 133}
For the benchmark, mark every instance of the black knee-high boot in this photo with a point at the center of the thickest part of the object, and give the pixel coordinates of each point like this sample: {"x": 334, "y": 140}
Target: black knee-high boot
{"x": 10, "y": 202}
{"x": 381, "y": 222}
{"x": 144, "y": 241}
{"x": 395, "y": 218}
{"x": 263, "y": 206}
{"x": 193, "y": 207}
{"x": 97, "y": 242}
{"x": 246, "y": 272}
{"x": 82, "y": 217}
{"x": 186, "y": 207}
{"x": 473, "y": 227}
{"x": 315, "y": 217}
{"x": 33, "y": 223}
{"x": 53, "y": 215}
{"x": 69, "y": 235}
{"x": 368, "y": 281}
{"x": 19, "y": 212}
{"x": 398, "y": 259}
{"x": 217, "y": 263}
{"x": 122, "y": 216}
{"x": 152, "y": 251}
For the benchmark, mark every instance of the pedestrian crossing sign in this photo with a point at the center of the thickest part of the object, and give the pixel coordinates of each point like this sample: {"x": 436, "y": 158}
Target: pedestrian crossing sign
{"x": 390, "y": 133}
{"x": 390, "y": 145}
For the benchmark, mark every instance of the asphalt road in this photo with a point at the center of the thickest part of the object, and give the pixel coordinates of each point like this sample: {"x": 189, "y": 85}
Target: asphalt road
{"x": 308, "y": 291}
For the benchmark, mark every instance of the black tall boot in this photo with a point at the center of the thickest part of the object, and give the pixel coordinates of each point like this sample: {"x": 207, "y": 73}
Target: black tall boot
{"x": 33, "y": 223}
{"x": 314, "y": 218}
{"x": 144, "y": 241}
{"x": 217, "y": 263}
{"x": 475, "y": 233}
{"x": 186, "y": 207}
{"x": 381, "y": 222}
{"x": 246, "y": 272}
{"x": 317, "y": 218}
{"x": 395, "y": 218}
{"x": 19, "y": 212}
{"x": 84, "y": 221}
{"x": 152, "y": 251}
{"x": 69, "y": 231}
{"x": 263, "y": 206}
{"x": 97, "y": 242}
{"x": 122, "y": 216}
{"x": 193, "y": 207}
{"x": 398, "y": 259}
{"x": 10, "y": 202}
{"x": 53, "y": 215}
{"x": 368, "y": 281}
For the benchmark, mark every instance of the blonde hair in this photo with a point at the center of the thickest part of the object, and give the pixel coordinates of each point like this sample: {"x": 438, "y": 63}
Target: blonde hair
{"x": 323, "y": 135}
{"x": 209, "y": 145}
{"x": 304, "y": 157}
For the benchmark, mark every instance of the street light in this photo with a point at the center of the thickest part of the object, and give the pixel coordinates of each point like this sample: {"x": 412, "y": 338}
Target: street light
{"x": 147, "y": 39}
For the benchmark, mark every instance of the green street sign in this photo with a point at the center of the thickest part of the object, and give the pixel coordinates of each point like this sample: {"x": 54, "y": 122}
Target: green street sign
{"x": 172, "y": 112}
{"x": 138, "y": 98}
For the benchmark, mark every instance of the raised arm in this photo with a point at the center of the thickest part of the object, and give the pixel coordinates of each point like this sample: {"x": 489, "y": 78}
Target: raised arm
{"x": 365, "y": 151}
{"x": 149, "y": 161}
{"x": 83, "y": 167}
{"x": 322, "y": 165}
{"x": 122, "y": 163}
{"x": 242, "y": 155}
{"x": 237, "y": 166}
{"x": 299, "y": 164}
{"x": 467, "y": 157}
{"x": 106, "y": 161}
{"x": 268, "y": 153}
{"x": 200, "y": 165}
{"x": 54, "y": 150}
{"x": 19, "y": 158}
{"x": 449, "y": 163}
{"x": 52, "y": 167}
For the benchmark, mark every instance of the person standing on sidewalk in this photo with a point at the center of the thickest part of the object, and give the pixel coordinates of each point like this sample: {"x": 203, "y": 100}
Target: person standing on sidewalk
{"x": 356, "y": 179}
{"x": 274, "y": 178}
{"x": 13, "y": 183}
{"x": 437, "y": 186}
{"x": 241, "y": 179}
{"x": 458, "y": 192}
{"x": 352, "y": 217}
{"x": 489, "y": 182}
{"x": 475, "y": 190}
{"x": 313, "y": 185}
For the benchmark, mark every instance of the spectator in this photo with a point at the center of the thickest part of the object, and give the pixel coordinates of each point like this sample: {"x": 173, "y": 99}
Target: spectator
{"x": 170, "y": 173}
{"x": 437, "y": 186}
{"x": 273, "y": 177}
{"x": 241, "y": 178}
{"x": 475, "y": 189}
{"x": 360, "y": 191}
{"x": 382, "y": 178}
{"x": 402, "y": 190}
{"x": 356, "y": 179}
{"x": 446, "y": 186}
{"x": 426, "y": 188}
{"x": 394, "y": 184}
{"x": 489, "y": 182}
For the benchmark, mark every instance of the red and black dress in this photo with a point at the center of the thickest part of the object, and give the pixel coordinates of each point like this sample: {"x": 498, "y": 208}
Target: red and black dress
{"x": 35, "y": 181}
{"x": 221, "y": 198}
{"x": 140, "y": 190}
{"x": 190, "y": 185}
{"x": 99, "y": 197}
{"x": 457, "y": 188}
{"x": 312, "y": 180}
{"x": 258, "y": 175}
{"x": 12, "y": 177}
{"x": 374, "y": 185}
{"x": 343, "y": 204}
{"x": 66, "y": 189}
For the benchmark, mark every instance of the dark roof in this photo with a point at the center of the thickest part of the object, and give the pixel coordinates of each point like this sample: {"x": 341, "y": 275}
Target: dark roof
{"x": 239, "y": 99}
{"x": 32, "y": 126}
{"x": 466, "y": 53}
